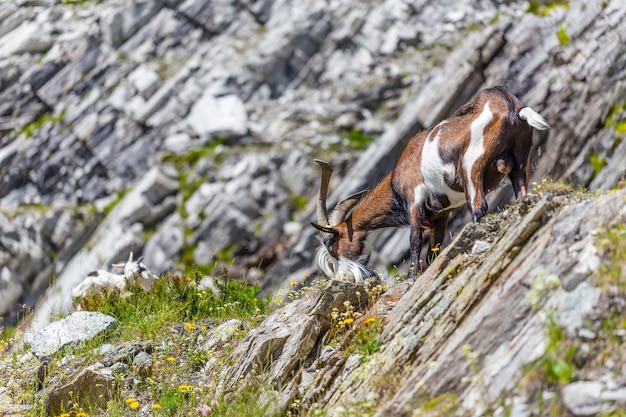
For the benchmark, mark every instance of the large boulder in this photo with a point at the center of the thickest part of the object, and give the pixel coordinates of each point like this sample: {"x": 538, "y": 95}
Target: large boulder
{"x": 72, "y": 330}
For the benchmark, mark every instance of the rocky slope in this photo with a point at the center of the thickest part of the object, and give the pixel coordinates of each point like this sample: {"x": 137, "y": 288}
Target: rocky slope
{"x": 184, "y": 130}
{"x": 521, "y": 315}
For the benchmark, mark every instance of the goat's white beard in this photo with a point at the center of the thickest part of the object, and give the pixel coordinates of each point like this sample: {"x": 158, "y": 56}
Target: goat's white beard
{"x": 340, "y": 269}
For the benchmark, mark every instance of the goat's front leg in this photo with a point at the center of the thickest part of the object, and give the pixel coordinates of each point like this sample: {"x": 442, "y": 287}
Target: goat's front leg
{"x": 415, "y": 265}
{"x": 475, "y": 192}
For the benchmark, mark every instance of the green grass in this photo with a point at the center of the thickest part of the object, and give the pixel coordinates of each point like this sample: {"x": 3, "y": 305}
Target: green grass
{"x": 559, "y": 187}
{"x": 563, "y": 37}
{"x": 617, "y": 120}
{"x": 175, "y": 317}
{"x": 597, "y": 163}
{"x": 445, "y": 404}
{"x": 544, "y": 8}
{"x": 175, "y": 299}
{"x": 612, "y": 244}
{"x": 556, "y": 362}
{"x": 365, "y": 339}
{"x": 359, "y": 140}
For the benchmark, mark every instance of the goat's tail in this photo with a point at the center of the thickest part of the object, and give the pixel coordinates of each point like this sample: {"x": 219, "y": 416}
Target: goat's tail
{"x": 533, "y": 118}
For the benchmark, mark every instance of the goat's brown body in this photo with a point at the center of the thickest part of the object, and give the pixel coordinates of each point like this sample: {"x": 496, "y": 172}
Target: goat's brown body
{"x": 456, "y": 162}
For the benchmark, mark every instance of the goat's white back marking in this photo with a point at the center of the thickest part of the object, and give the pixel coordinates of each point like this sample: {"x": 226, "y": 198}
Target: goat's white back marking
{"x": 435, "y": 173}
{"x": 476, "y": 147}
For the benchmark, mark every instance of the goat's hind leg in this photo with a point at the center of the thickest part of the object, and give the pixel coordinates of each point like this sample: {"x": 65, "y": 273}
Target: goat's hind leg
{"x": 437, "y": 228}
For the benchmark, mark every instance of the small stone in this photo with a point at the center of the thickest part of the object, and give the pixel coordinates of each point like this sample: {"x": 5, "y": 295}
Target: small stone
{"x": 224, "y": 117}
{"x": 222, "y": 333}
{"x": 119, "y": 368}
{"x": 480, "y": 246}
{"x": 586, "y": 334}
{"x": 143, "y": 363}
{"x": 126, "y": 353}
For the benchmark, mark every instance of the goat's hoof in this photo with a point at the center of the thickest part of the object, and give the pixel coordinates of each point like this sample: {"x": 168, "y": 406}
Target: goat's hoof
{"x": 477, "y": 215}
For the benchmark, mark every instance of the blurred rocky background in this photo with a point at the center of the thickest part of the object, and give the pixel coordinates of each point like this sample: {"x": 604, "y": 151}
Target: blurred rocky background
{"x": 185, "y": 130}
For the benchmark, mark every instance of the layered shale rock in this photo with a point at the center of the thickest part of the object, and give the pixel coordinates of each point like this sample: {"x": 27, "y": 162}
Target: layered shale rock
{"x": 230, "y": 101}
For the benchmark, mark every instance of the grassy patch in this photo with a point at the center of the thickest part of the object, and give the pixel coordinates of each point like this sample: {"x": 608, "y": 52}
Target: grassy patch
{"x": 176, "y": 299}
{"x": 560, "y": 187}
{"x": 299, "y": 203}
{"x": 79, "y": 1}
{"x": 544, "y": 8}
{"x": 445, "y": 404}
{"x": 359, "y": 140}
{"x": 562, "y": 35}
{"x": 174, "y": 319}
{"x": 597, "y": 163}
{"x": 553, "y": 369}
{"x": 617, "y": 121}
{"x": 557, "y": 361}
{"x": 612, "y": 244}
{"x": 365, "y": 339}
{"x": 30, "y": 128}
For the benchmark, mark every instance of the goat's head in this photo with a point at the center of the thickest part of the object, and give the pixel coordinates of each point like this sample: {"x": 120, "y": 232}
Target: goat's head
{"x": 340, "y": 254}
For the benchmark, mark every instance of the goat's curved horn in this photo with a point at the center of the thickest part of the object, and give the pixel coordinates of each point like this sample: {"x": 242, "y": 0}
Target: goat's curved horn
{"x": 322, "y": 214}
{"x": 345, "y": 206}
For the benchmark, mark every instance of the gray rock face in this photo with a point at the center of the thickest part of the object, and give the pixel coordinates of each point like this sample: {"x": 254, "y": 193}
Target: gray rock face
{"x": 75, "y": 328}
{"x": 465, "y": 331}
{"x": 289, "y": 336}
{"x": 238, "y": 97}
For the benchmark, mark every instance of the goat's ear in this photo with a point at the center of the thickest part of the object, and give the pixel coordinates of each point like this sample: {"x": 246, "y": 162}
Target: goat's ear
{"x": 326, "y": 229}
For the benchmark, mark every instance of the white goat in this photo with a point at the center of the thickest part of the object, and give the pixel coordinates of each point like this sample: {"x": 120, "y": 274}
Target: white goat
{"x": 134, "y": 272}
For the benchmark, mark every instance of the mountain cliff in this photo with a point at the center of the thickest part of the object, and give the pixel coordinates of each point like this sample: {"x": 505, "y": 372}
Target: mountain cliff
{"x": 523, "y": 314}
{"x": 184, "y": 130}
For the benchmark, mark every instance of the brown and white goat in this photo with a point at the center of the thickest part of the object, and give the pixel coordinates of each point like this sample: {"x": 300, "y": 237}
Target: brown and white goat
{"x": 457, "y": 161}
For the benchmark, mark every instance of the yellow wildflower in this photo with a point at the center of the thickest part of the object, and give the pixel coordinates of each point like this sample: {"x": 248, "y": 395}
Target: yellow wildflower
{"x": 370, "y": 320}
{"x": 189, "y": 326}
{"x": 170, "y": 359}
{"x": 81, "y": 414}
{"x": 435, "y": 249}
{"x": 278, "y": 301}
{"x": 292, "y": 283}
{"x": 349, "y": 320}
{"x": 134, "y": 406}
{"x": 156, "y": 406}
{"x": 184, "y": 388}
{"x": 131, "y": 400}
